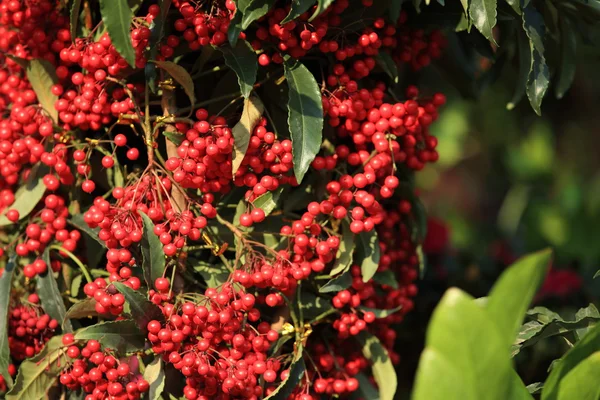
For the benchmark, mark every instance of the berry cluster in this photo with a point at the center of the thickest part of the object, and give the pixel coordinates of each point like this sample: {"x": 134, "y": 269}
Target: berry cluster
{"x": 29, "y": 328}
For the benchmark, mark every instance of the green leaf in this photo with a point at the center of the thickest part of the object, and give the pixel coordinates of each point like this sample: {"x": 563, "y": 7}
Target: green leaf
{"x": 174, "y": 137}
{"x": 322, "y": 6}
{"x": 539, "y": 73}
{"x": 313, "y": 305}
{"x": 42, "y": 75}
{"x": 235, "y": 28}
{"x": 305, "y": 115}
{"x": 381, "y": 365}
{"x": 242, "y": 131}
{"x": 388, "y": 65}
{"x": 516, "y": 5}
{"x": 74, "y": 17}
{"x": 581, "y": 382}
{"x": 78, "y": 222}
{"x": 5, "y": 286}
{"x": 213, "y": 275}
{"x": 466, "y": 355}
{"x": 517, "y": 389}
{"x": 386, "y": 277}
{"x": 180, "y": 75}
{"x": 379, "y": 313}
{"x": 117, "y": 17}
{"x": 242, "y": 60}
{"x": 535, "y": 388}
{"x": 76, "y": 285}
{"x": 141, "y": 309}
{"x": 124, "y": 336}
{"x": 152, "y": 252}
{"x": 154, "y": 374}
{"x": 82, "y": 309}
{"x": 587, "y": 346}
{"x": 298, "y": 7}
{"x": 26, "y": 198}
{"x": 343, "y": 258}
{"x": 268, "y": 201}
{"x": 513, "y": 292}
{"x": 395, "y": 9}
{"x": 256, "y": 9}
{"x": 336, "y": 284}
{"x": 483, "y": 15}
{"x": 597, "y": 274}
{"x": 524, "y": 55}
{"x": 368, "y": 243}
{"x": 365, "y": 388}
{"x": 287, "y": 386}
{"x": 568, "y": 53}
{"x": 50, "y": 296}
{"x": 39, "y": 373}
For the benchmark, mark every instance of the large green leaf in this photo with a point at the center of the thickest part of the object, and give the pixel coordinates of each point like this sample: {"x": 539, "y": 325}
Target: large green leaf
{"x": 386, "y": 277}
{"x": 26, "y": 197}
{"x": 117, "y": 17}
{"x": 268, "y": 201}
{"x": 50, "y": 296}
{"x": 213, "y": 275}
{"x": 587, "y": 346}
{"x": 343, "y": 258}
{"x": 38, "y": 374}
{"x": 322, "y": 6}
{"x": 464, "y": 343}
{"x": 42, "y": 75}
{"x": 298, "y": 7}
{"x": 152, "y": 252}
{"x": 338, "y": 283}
{"x": 181, "y": 76}
{"x": 154, "y": 374}
{"x": 368, "y": 243}
{"x": 539, "y": 73}
{"x": 124, "y": 336}
{"x": 242, "y": 60}
{"x": 513, "y": 292}
{"x": 5, "y": 286}
{"x": 141, "y": 309}
{"x": 82, "y": 309}
{"x": 242, "y": 131}
{"x": 581, "y": 382}
{"x": 305, "y": 115}
{"x": 483, "y": 15}
{"x": 287, "y": 386}
{"x": 381, "y": 365}
{"x": 255, "y": 10}
{"x": 524, "y": 54}
{"x": 568, "y": 53}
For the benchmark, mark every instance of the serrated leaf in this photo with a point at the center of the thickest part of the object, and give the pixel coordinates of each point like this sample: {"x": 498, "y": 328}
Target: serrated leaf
{"x": 385, "y": 61}
{"x": 141, "y": 309}
{"x": 5, "y": 286}
{"x": 381, "y": 365}
{"x": 368, "y": 244}
{"x": 539, "y": 73}
{"x": 483, "y": 15}
{"x": 242, "y": 131}
{"x": 568, "y": 53}
{"x": 380, "y": 313}
{"x": 154, "y": 374}
{"x": 524, "y": 54}
{"x": 305, "y": 115}
{"x": 343, "y": 258}
{"x": 152, "y": 252}
{"x": 287, "y": 386}
{"x": 78, "y": 222}
{"x": 74, "y": 17}
{"x": 124, "y": 336}
{"x": 242, "y": 60}
{"x": 256, "y": 9}
{"x": 50, "y": 296}
{"x": 180, "y": 75}
{"x": 386, "y": 277}
{"x": 581, "y": 382}
{"x": 322, "y": 6}
{"x": 338, "y": 283}
{"x": 268, "y": 201}
{"x": 39, "y": 373}
{"x": 117, "y": 17}
{"x": 42, "y": 75}
{"x": 298, "y": 7}
{"x": 82, "y": 309}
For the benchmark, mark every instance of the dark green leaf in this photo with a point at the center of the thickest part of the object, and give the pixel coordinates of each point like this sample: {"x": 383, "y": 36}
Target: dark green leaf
{"x": 141, "y": 309}
{"x": 386, "y": 277}
{"x": 379, "y": 313}
{"x": 235, "y": 28}
{"x": 157, "y": 28}
{"x": 298, "y": 7}
{"x": 322, "y": 6}
{"x": 381, "y": 365}
{"x": 38, "y": 374}
{"x": 581, "y": 382}
{"x": 568, "y": 53}
{"x": 305, "y": 115}
{"x": 524, "y": 55}
{"x": 213, "y": 275}
{"x": 388, "y": 65}
{"x": 180, "y": 75}
{"x": 82, "y": 309}
{"x": 152, "y": 252}
{"x": 42, "y": 75}
{"x": 154, "y": 374}
{"x": 297, "y": 369}
{"x": 5, "y": 286}
{"x": 483, "y": 15}
{"x": 242, "y": 131}
{"x": 313, "y": 305}
{"x": 365, "y": 388}
{"x": 50, "y": 296}
{"x": 174, "y": 137}
{"x": 268, "y": 201}
{"x": 336, "y": 284}
{"x": 26, "y": 197}
{"x": 74, "y": 17}
{"x": 516, "y": 5}
{"x": 539, "y": 74}
{"x": 395, "y": 8}
{"x": 124, "y": 336}
{"x": 514, "y": 291}
{"x": 368, "y": 243}
{"x": 343, "y": 258}
{"x": 242, "y": 60}
{"x": 117, "y": 17}
{"x": 78, "y": 222}
{"x": 255, "y": 10}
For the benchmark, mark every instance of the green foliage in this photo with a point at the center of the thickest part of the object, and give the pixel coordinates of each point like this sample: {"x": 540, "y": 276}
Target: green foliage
{"x": 5, "y": 285}
{"x": 368, "y": 245}
{"x": 152, "y": 252}
{"x": 381, "y": 365}
{"x": 124, "y": 336}
{"x": 26, "y": 197}
{"x": 141, "y": 309}
{"x": 50, "y": 296}
{"x": 42, "y": 75}
{"x": 242, "y": 60}
{"x": 117, "y": 16}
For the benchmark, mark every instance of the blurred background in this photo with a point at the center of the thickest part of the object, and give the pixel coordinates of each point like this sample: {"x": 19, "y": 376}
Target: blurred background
{"x": 508, "y": 183}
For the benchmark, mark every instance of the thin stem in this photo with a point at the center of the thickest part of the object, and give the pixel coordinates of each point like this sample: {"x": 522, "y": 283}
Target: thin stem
{"x": 76, "y": 260}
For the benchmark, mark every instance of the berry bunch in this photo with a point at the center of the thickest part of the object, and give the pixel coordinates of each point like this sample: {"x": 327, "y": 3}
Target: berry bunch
{"x": 29, "y": 328}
